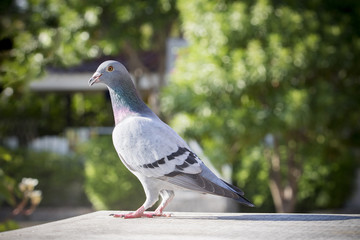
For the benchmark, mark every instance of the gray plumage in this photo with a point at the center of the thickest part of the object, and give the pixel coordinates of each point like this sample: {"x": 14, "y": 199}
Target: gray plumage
{"x": 152, "y": 150}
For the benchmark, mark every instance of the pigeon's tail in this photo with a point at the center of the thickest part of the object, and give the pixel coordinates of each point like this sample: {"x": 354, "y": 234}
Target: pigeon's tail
{"x": 208, "y": 182}
{"x": 240, "y": 195}
{"x": 226, "y": 189}
{"x": 245, "y": 201}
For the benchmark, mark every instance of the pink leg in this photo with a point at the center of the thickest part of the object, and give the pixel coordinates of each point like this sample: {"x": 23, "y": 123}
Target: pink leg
{"x": 159, "y": 210}
{"x": 137, "y": 214}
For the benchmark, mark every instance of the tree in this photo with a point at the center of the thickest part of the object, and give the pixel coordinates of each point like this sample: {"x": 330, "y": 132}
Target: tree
{"x": 36, "y": 34}
{"x": 40, "y": 32}
{"x": 272, "y": 88}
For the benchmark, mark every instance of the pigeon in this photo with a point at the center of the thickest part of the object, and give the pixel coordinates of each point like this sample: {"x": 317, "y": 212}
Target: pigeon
{"x": 152, "y": 150}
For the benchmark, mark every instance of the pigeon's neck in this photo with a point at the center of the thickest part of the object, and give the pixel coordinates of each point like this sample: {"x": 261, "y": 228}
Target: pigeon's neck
{"x": 126, "y": 103}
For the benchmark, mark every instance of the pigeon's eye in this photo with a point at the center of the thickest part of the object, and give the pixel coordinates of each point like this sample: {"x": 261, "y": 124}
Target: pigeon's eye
{"x": 110, "y": 68}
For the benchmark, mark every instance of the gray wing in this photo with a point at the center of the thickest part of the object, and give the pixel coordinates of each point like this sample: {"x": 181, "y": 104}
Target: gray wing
{"x": 151, "y": 148}
{"x": 207, "y": 182}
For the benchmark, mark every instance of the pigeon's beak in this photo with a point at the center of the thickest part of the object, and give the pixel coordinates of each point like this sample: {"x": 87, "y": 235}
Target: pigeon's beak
{"x": 95, "y": 78}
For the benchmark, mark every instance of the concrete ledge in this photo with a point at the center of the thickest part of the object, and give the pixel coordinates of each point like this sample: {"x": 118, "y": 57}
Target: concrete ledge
{"x": 99, "y": 225}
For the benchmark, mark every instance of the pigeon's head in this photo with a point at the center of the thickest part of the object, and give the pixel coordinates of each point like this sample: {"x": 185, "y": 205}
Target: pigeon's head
{"x": 111, "y": 73}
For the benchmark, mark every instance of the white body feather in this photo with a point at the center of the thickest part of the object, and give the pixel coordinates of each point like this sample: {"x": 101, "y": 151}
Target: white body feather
{"x": 143, "y": 140}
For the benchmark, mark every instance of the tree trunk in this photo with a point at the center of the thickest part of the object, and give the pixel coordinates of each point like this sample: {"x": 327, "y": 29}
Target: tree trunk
{"x": 136, "y": 65}
{"x": 138, "y": 68}
{"x": 162, "y": 36}
{"x": 283, "y": 187}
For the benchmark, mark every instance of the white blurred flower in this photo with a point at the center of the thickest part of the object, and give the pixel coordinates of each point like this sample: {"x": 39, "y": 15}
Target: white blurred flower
{"x": 22, "y": 187}
{"x": 28, "y": 184}
{"x": 35, "y": 197}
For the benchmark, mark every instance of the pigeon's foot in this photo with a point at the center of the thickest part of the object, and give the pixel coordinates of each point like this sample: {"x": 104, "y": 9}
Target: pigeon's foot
{"x": 159, "y": 212}
{"x": 162, "y": 214}
{"x": 133, "y": 215}
{"x": 137, "y": 214}
{"x": 141, "y": 213}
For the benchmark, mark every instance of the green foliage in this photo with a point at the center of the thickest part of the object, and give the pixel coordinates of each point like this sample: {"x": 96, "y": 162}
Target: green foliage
{"x": 51, "y": 114}
{"x": 326, "y": 173}
{"x": 109, "y": 184}
{"x": 60, "y": 177}
{"x": 91, "y": 110}
{"x": 7, "y": 183}
{"x": 37, "y": 33}
{"x": 262, "y": 68}
{"x": 39, "y": 111}
{"x": 252, "y": 173}
{"x": 7, "y": 190}
{"x": 8, "y": 225}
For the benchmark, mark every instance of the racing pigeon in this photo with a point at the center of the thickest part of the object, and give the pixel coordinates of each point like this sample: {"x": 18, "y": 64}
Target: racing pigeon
{"x": 153, "y": 151}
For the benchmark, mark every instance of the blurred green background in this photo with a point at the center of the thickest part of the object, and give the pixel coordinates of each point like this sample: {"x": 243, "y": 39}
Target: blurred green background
{"x": 271, "y": 88}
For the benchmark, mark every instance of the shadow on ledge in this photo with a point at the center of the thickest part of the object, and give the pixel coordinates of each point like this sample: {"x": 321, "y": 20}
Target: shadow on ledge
{"x": 290, "y": 217}
{"x": 282, "y": 217}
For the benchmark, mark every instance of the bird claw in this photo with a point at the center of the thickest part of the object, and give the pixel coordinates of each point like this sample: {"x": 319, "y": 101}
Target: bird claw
{"x": 160, "y": 214}
{"x": 141, "y": 213}
{"x": 137, "y": 215}
{"x": 132, "y": 215}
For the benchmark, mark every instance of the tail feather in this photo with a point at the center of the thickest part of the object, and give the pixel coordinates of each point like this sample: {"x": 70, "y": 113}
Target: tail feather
{"x": 199, "y": 183}
{"x": 237, "y": 190}
{"x": 245, "y": 201}
{"x": 240, "y": 195}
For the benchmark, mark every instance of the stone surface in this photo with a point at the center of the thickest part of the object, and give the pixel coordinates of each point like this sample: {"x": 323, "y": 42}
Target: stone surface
{"x": 99, "y": 225}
